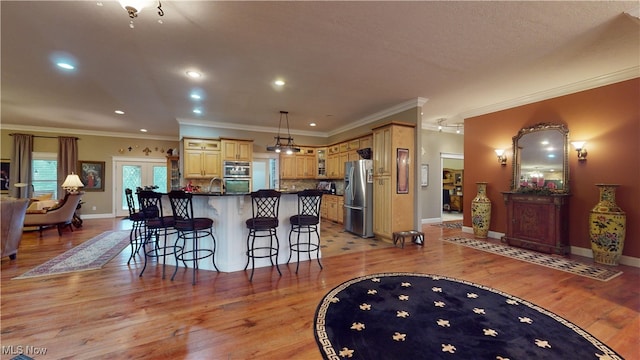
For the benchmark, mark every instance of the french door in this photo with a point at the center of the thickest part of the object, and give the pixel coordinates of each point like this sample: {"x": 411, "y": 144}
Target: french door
{"x": 137, "y": 172}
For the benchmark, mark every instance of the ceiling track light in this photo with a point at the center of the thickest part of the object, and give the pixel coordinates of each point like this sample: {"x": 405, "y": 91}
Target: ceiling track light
{"x": 289, "y": 147}
{"x": 442, "y": 125}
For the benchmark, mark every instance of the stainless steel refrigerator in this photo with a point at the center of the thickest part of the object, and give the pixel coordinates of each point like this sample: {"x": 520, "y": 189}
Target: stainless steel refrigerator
{"x": 358, "y": 197}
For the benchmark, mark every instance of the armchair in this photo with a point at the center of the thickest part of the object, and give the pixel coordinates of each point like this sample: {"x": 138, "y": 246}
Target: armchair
{"x": 13, "y": 211}
{"x": 61, "y": 216}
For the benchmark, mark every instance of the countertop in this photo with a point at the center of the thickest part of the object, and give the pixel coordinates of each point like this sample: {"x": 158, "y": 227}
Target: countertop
{"x": 243, "y": 194}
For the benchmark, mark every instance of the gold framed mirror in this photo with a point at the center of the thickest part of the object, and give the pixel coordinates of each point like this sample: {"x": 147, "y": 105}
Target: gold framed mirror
{"x": 541, "y": 159}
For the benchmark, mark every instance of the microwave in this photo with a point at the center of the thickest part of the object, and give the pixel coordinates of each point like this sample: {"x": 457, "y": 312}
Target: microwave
{"x": 237, "y": 169}
{"x": 237, "y": 186}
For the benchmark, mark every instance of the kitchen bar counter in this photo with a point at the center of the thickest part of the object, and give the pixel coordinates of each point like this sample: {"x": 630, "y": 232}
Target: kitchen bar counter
{"x": 229, "y": 213}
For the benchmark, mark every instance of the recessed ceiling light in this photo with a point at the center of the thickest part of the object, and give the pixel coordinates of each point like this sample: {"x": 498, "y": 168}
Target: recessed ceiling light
{"x": 193, "y": 74}
{"x": 279, "y": 82}
{"x": 143, "y": 130}
{"x": 119, "y": 112}
{"x": 196, "y": 97}
{"x": 65, "y": 66}
{"x": 197, "y": 111}
{"x": 312, "y": 124}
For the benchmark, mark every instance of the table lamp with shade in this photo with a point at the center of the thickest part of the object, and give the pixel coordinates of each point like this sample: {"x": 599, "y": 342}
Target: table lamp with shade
{"x": 72, "y": 183}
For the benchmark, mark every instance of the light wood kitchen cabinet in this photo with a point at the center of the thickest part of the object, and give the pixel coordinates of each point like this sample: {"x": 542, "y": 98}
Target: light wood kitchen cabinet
{"x": 299, "y": 166}
{"x": 324, "y": 208}
{"x": 305, "y": 167}
{"x": 391, "y": 206}
{"x": 237, "y": 150}
{"x": 333, "y": 166}
{"x": 332, "y": 207}
{"x": 538, "y": 222}
{"x": 382, "y": 151}
{"x": 366, "y": 142}
{"x": 321, "y": 163}
{"x": 201, "y": 159}
{"x": 287, "y": 166}
{"x": 382, "y": 207}
{"x": 340, "y": 217}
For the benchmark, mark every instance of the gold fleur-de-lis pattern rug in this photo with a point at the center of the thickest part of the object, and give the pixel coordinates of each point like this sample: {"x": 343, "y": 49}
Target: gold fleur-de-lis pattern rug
{"x": 421, "y": 316}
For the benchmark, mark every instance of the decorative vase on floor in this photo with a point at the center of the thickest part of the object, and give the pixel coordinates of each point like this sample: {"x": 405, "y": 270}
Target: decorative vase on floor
{"x": 481, "y": 212}
{"x": 607, "y": 226}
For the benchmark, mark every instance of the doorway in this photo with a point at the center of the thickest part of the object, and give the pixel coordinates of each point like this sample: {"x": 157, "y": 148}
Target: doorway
{"x": 264, "y": 171}
{"x": 456, "y": 162}
{"x": 136, "y": 172}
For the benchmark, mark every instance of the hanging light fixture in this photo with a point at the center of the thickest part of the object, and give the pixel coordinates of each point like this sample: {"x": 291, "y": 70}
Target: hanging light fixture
{"x": 134, "y": 7}
{"x": 289, "y": 147}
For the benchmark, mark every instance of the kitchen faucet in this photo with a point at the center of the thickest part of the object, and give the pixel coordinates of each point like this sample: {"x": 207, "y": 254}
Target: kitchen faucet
{"x": 221, "y": 183}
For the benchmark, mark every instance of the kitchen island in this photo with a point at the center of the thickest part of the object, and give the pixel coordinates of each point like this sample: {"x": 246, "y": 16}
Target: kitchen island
{"x": 229, "y": 213}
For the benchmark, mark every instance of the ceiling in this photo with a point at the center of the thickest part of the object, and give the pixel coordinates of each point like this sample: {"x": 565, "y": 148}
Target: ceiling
{"x": 344, "y": 63}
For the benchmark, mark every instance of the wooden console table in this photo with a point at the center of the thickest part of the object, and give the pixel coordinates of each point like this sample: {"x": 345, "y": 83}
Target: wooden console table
{"x": 538, "y": 222}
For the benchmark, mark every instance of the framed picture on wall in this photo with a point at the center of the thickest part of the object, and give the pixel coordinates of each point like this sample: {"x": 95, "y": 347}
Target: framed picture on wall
{"x": 5, "y": 166}
{"x": 424, "y": 175}
{"x": 402, "y": 159}
{"x": 92, "y": 175}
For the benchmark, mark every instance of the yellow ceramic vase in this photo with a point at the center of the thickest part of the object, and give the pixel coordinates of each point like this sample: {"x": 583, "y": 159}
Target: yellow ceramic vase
{"x": 607, "y": 227}
{"x": 481, "y": 212}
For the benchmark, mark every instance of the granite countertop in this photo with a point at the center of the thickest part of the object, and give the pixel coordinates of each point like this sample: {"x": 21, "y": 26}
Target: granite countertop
{"x": 243, "y": 194}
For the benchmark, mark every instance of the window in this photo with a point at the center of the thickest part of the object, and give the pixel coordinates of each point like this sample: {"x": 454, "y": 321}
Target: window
{"x": 44, "y": 174}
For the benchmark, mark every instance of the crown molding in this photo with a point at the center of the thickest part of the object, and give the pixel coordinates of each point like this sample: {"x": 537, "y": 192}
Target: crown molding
{"x": 86, "y": 132}
{"x": 410, "y": 104}
{"x": 254, "y": 128}
{"x": 587, "y": 84}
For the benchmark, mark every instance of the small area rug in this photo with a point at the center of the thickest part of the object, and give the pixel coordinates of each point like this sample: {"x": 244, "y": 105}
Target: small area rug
{"x": 554, "y": 262}
{"x": 449, "y": 225}
{"x": 421, "y": 316}
{"x": 90, "y": 255}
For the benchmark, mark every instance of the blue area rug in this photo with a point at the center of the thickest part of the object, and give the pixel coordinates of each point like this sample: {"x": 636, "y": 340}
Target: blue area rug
{"x": 420, "y": 316}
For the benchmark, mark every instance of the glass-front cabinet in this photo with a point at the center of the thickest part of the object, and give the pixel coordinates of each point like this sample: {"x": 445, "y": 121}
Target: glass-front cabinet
{"x": 173, "y": 173}
{"x": 321, "y": 159}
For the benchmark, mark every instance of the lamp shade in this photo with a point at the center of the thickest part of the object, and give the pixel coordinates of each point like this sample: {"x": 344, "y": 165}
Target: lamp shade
{"x": 72, "y": 183}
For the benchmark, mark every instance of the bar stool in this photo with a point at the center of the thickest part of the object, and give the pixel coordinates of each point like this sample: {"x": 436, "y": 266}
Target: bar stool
{"x": 136, "y": 237}
{"x": 264, "y": 223}
{"x": 306, "y": 222}
{"x": 157, "y": 226}
{"x": 190, "y": 228}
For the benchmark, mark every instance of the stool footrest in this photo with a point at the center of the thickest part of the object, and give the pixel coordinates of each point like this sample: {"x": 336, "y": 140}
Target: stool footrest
{"x": 416, "y": 236}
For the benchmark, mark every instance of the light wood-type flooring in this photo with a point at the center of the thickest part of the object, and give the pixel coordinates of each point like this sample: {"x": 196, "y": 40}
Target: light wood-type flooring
{"x": 113, "y": 313}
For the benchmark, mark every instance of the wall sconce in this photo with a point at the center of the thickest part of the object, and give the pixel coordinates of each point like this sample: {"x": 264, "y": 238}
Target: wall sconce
{"x": 582, "y": 152}
{"x": 502, "y": 158}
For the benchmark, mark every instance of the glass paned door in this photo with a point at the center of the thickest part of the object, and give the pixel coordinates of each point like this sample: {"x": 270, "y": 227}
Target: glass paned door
{"x": 134, "y": 174}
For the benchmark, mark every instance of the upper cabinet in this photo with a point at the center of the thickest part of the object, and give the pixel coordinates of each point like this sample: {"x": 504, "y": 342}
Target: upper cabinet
{"x": 237, "y": 150}
{"x": 321, "y": 163}
{"x": 201, "y": 158}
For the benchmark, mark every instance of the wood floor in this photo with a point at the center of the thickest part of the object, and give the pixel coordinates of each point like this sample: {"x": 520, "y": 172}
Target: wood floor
{"x": 113, "y": 313}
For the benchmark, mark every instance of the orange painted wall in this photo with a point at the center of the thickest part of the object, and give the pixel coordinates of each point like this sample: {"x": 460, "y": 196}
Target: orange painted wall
{"x": 607, "y": 118}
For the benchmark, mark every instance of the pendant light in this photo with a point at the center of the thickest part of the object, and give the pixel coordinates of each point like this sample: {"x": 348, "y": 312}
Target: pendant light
{"x": 289, "y": 147}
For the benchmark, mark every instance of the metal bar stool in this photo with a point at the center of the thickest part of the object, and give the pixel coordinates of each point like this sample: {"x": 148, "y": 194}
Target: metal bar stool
{"x": 190, "y": 228}
{"x": 264, "y": 223}
{"x": 136, "y": 236}
{"x": 157, "y": 226}
{"x": 306, "y": 222}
